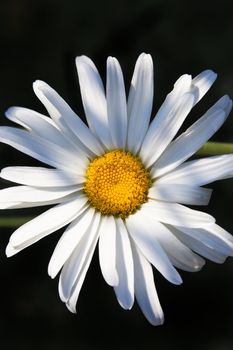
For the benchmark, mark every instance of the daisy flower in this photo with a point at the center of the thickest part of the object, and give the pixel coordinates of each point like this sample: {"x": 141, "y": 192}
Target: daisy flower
{"x": 121, "y": 183}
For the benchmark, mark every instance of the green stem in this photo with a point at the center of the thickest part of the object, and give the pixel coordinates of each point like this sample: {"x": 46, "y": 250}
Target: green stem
{"x": 215, "y": 148}
{"x": 13, "y": 221}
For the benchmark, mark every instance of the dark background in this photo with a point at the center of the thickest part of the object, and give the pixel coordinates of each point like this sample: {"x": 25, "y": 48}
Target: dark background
{"x": 40, "y": 40}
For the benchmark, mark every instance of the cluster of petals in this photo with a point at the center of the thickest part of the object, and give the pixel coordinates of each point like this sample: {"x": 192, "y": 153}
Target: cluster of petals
{"x": 163, "y": 232}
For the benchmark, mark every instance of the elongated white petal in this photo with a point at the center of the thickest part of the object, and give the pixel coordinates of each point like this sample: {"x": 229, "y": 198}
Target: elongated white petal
{"x": 41, "y": 177}
{"x": 193, "y": 138}
{"x": 213, "y": 236}
{"x": 124, "y": 264}
{"x": 82, "y": 268}
{"x": 203, "y": 82}
{"x": 69, "y": 240}
{"x": 94, "y": 100}
{"x": 163, "y": 130}
{"x": 145, "y": 238}
{"x": 42, "y": 150}
{"x": 177, "y": 214}
{"x": 38, "y": 203}
{"x": 201, "y": 171}
{"x": 179, "y": 193}
{"x": 30, "y": 194}
{"x": 46, "y": 223}
{"x": 145, "y": 290}
{"x": 132, "y": 90}
{"x": 182, "y": 86}
{"x": 140, "y": 102}
{"x": 219, "y": 232}
{"x": 71, "y": 303}
{"x": 73, "y": 269}
{"x": 70, "y": 124}
{"x": 38, "y": 124}
{"x": 181, "y": 256}
{"x": 116, "y": 103}
{"x": 198, "y": 246}
{"x": 12, "y": 205}
{"x": 107, "y": 250}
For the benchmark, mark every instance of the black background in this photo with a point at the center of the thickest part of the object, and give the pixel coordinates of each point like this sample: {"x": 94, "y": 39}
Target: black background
{"x": 40, "y": 40}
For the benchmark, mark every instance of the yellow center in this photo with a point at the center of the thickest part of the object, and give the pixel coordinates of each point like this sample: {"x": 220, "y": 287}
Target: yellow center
{"x": 117, "y": 183}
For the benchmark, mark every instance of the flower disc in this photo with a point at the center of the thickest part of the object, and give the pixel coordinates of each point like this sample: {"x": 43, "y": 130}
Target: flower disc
{"x": 117, "y": 183}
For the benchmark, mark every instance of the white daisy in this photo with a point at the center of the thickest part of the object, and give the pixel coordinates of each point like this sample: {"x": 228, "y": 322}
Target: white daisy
{"x": 121, "y": 183}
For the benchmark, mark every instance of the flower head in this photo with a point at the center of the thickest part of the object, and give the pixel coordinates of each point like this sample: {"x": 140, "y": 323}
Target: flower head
{"x": 121, "y": 183}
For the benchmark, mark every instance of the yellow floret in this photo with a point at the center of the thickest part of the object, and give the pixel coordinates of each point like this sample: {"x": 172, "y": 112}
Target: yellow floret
{"x": 117, "y": 183}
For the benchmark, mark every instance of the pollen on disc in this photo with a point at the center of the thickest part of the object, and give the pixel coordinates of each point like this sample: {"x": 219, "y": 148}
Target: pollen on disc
{"x": 117, "y": 183}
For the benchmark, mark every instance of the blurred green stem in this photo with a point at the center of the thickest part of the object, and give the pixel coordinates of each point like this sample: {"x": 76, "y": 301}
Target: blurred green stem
{"x": 13, "y": 221}
{"x": 215, "y": 148}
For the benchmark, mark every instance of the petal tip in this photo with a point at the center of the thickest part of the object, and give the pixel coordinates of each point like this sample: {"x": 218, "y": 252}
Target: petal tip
{"x": 71, "y": 308}
{"x": 109, "y": 59}
{"x": 209, "y": 73}
{"x": 80, "y": 59}
{"x": 10, "y": 111}
{"x": 52, "y": 274}
{"x": 177, "y": 280}
{"x": 112, "y": 61}
{"x": 127, "y": 302}
{"x": 157, "y": 319}
{"x": 10, "y": 250}
{"x": 39, "y": 85}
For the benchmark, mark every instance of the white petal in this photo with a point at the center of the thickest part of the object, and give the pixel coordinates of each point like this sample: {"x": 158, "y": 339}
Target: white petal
{"x": 133, "y": 83}
{"x": 193, "y": 138}
{"x": 107, "y": 250}
{"x": 31, "y": 197}
{"x": 70, "y": 124}
{"x": 46, "y": 223}
{"x": 180, "y": 193}
{"x": 40, "y": 177}
{"x": 71, "y": 302}
{"x": 69, "y": 240}
{"x": 199, "y": 247}
{"x": 38, "y": 124}
{"x": 182, "y": 85}
{"x": 164, "y": 127}
{"x": 31, "y": 194}
{"x": 201, "y": 171}
{"x": 177, "y": 214}
{"x": 94, "y": 100}
{"x": 142, "y": 229}
{"x": 72, "y": 272}
{"x": 124, "y": 264}
{"x": 222, "y": 234}
{"x": 39, "y": 203}
{"x": 213, "y": 236}
{"x": 42, "y": 150}
{"x": 145, "y": 290}
{"x": 203, "y": 82}
{"x": 181, "y": 256}
{"x": 116, "y": 103}
{"x": 140, "y": 102}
